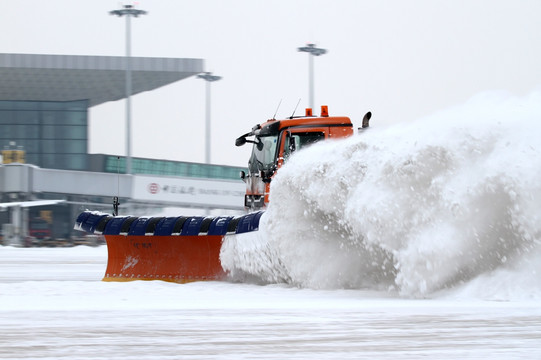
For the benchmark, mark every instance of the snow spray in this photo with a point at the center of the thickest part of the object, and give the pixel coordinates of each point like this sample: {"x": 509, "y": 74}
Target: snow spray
{"x": 451, "y": 201}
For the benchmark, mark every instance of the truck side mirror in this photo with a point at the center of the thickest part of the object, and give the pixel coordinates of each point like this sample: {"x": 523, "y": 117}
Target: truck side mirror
{"x": 240, "y": 141}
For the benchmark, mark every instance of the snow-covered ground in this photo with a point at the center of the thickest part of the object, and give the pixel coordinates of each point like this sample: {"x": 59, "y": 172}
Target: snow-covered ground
{"x": 416, "y": 241}
{"x": 53, "y": 305}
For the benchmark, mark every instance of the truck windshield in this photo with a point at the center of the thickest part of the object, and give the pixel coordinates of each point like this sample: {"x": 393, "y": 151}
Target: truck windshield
{"x": 263, "y": 154}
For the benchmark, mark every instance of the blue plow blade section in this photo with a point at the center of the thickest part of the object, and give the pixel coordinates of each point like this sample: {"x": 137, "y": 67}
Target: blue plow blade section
{"x": 100, "y": 223}
{"x": 178, "y": 249}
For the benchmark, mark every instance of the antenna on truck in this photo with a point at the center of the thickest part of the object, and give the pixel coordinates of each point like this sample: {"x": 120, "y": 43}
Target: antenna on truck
{"x": 276, "y": 112}
{"x": 298, "y": 102}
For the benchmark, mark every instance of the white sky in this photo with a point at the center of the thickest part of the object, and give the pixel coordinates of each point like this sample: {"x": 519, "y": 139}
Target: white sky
{"x": 400, "y": 59}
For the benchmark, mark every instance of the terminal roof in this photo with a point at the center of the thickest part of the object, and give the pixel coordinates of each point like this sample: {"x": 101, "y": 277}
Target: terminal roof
{"x": 96, "y": 78}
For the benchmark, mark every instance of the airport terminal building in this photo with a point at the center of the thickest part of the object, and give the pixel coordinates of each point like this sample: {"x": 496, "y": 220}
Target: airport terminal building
{"x": 44, "y": 101}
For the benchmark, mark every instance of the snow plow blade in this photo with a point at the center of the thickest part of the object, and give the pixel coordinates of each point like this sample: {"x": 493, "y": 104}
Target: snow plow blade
{"x": 178, "y": 249}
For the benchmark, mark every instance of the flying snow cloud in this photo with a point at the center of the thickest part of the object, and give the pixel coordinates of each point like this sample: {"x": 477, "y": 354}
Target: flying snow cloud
{"x": 419, "y": 208}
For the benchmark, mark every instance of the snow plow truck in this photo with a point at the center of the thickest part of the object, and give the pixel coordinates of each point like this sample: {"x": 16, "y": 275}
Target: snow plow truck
{"x": 187, "y": 248}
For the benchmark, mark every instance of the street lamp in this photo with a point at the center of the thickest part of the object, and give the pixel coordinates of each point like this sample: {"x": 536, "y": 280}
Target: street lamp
{"x": 312, "y": 51}
{"x": 208, "y": 77}
{"x": 129, "y": 11}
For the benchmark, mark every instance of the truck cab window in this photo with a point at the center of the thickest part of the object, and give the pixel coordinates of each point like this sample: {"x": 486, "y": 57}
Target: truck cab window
{"x": 301, "y": 140}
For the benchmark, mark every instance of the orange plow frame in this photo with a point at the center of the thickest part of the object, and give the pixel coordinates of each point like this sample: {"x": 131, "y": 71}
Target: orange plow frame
{"x": 177, "y": 249}
{"x": 169, "y": 258}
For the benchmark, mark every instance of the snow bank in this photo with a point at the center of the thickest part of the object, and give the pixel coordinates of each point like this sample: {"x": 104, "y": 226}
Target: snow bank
{"x": 450, "y": 201}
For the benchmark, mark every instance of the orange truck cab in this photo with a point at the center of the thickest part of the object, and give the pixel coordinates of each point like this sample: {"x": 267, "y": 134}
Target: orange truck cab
{"x": 275, "y": 140}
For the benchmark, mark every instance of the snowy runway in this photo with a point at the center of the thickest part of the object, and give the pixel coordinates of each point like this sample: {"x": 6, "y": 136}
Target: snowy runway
{"x": 432, "y": 226}
{"x": 53, "y": 305}
{"x": 266, "y": 333}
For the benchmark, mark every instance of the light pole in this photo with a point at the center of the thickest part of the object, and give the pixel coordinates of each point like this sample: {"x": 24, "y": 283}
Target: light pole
{"x": 208, "y": 77}
{"x": 128, "y": 11}
{"x": 312, "y": 51}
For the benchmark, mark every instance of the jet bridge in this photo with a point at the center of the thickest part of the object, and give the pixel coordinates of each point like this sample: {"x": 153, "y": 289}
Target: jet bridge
{"x": 23, "y": 186}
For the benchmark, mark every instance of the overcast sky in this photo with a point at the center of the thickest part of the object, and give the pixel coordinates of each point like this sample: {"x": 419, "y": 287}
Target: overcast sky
{"x": 400, "y": 59}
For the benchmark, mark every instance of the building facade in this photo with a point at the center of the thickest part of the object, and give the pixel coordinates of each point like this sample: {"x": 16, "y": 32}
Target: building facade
{"x": 52, "y": 134}
{"x": 44, "y": 101}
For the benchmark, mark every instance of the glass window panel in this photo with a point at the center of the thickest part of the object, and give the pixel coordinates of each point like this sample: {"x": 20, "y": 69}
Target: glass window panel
{"x": 63, "y": 161}
{"x": 17, "y": 132}
{"x": 112, "y": 164}
{"x": 20, "y": 131}
{"x": 76, "y": 105}
{"x": 53, "y": 117}
{"x": 32, "y": 132}
{"x": 168, "y": 168}
{"x": 28, "y": 117}
{"x": 7, "y": 117}
{"x": 48, "y": 161}
{"x": 48, "y": 146}
{"x": 64, "y": 146}
{"x": 20, "y": 105}
{"x": 74, "y": 146}
{"x": 180, "y": 169}
{"x": 48, "y": 132}
{"x": 136, "y": 165}
{"x": 75, "y": 132}
{"x": 52, "y": 105}
{"x": 121, "y": 166}
{"x": 222, "y": 174}
{"x": 108, "y": 164}
{"x": 27, "y": 105}
{"x": 13, "y": 132}
{"x": 75, "y": 161}
{"x": 64, "y": 132}
{"x": 5, "y": 132}
{"x": 30, "y": 146}
{"x": 7, "y": 105}
{"x": 32, "y": 159}
{"x": 156, "y": 167}
{"x": 145, "y": 166}
{"x": 195, "y": 170}
{"x": 201, "y": 170}
{"x": 76, "y": 118}
{"x": 152, "y": 167}
{"x": 64, "y": 118}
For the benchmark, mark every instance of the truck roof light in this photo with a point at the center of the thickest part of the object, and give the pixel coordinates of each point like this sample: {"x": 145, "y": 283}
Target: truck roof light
{"x": 308, "y": 112}
{"x": 324, "y": 111}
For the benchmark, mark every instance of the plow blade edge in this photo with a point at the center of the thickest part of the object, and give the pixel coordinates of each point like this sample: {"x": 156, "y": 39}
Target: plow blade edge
{"x": 179, "y": 249}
